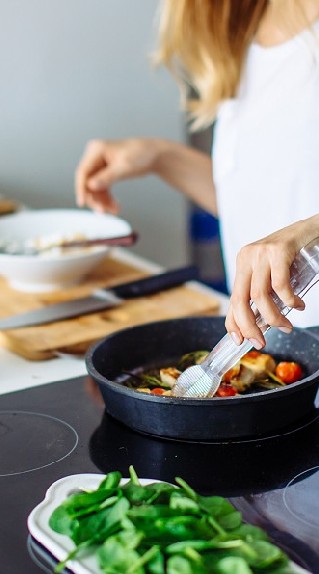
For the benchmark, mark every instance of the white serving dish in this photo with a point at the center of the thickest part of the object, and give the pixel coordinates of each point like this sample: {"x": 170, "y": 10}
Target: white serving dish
{"x": 57, "y": 544}
{"x": 54, "y": 270}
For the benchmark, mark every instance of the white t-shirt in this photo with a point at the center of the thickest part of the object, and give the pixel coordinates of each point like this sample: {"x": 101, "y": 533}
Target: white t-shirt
{"x": 266, "y": 150}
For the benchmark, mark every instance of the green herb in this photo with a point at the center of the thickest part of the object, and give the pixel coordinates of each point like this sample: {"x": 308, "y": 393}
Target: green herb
{"x": 163, "y": 529}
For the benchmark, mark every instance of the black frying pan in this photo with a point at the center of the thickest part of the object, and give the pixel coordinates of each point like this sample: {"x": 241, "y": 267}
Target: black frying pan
{"x": 162, "y": 343}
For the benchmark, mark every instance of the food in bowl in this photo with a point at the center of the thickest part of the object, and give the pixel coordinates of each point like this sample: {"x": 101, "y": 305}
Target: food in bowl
{"x": 42, "y": 245}
{"x": 255, "y": 371}
{"x": 54, "y": 269}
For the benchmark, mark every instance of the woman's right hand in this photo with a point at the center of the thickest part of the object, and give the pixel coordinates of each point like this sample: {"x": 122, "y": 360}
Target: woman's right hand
{"x": 263, "y": 267}
{"x": 106, "y": 162}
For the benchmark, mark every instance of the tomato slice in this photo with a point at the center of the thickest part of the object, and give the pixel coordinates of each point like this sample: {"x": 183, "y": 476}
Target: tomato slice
{"x": 288, "y": 372}
{"x": 157, "y": 391}
{"x": 226, "y": 390}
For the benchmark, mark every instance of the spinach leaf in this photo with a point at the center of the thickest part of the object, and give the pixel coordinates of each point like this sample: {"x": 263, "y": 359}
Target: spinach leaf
{"x": 232, "y": 565}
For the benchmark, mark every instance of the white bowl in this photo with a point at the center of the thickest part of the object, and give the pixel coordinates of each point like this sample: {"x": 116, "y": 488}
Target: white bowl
{"x": 53, "y": 269}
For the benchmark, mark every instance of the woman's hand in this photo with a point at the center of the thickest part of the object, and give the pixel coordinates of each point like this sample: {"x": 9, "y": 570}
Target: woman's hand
{"x": 106, "y": 162}
{"x": 261, "y": 267}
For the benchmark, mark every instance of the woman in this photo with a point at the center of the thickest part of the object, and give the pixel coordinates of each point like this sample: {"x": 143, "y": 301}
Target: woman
{"x": 254, "y": 65}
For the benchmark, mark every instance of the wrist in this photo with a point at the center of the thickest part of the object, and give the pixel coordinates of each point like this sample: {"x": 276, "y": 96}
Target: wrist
{"x": 164, "y": 152}
{"x": 311, "y": 228}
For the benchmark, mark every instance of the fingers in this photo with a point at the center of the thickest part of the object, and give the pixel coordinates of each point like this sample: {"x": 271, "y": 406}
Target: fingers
{"x": 102, "y": 201}
{"x": 240, "y": 319}
{"x": 262, "y": 277}
{"x": 93, "y": 177}
{"x": 92, "y": 161}
{"x": 269, "y": 281}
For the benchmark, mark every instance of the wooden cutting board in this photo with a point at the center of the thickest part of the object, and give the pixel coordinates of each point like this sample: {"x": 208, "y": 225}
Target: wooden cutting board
{"x": 75, "y": 335}
{"x": 8, "y": 206}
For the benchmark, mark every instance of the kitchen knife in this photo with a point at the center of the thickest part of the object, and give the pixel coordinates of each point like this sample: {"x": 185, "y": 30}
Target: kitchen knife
{"x": 100, "y": 299}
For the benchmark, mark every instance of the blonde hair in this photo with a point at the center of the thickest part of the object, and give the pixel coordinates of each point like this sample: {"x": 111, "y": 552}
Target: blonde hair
{"x": 204, "y": 44}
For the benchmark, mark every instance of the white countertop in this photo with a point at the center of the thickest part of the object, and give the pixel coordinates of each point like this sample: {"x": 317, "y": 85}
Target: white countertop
{"x": 17, "y": 373}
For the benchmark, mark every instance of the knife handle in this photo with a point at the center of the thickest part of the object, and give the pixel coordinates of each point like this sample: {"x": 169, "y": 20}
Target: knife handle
{"x": 155, "y": 283}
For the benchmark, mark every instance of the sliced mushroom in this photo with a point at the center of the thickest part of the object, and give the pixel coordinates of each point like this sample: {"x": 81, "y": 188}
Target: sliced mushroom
{"x": 169, "y": 376}
{"x": 260, "y": 363}
{"x": 244, "y": 380}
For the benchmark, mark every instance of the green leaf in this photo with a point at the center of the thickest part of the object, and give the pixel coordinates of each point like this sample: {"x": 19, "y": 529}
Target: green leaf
{"x": 249, "y": 533}
{"x": 165, "y": 531}
{"x": 134, "y": 477}
{"x": 61, "y": 521}
{"x": 97, "y": 527}
{"x": 152, "y": 511}
{"x": 143, "y": 559}
{"x": 111, "y": 481}
{"x": 183, "y": 565}
{"x": 187, "y": 489}
{"x": 161, "y": 492}
{"x": 136, "y": 494}
{"x": 201, "y": 546}
{"x": 216, "y": 505}
{"x": 232, "y": 565}
{"x": 156, "y": 564}
{"x": 183, "y": 504}
{"x": 267, "y": 554}
{"x": 115, "y": 558}
{"x": 231, "y": 520}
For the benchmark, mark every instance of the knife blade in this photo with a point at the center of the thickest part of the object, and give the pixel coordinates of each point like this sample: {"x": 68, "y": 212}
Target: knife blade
{"x": 100, "y": 299}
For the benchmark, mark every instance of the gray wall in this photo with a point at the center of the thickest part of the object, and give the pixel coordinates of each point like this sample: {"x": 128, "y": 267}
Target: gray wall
{"x": 73, "y": 70}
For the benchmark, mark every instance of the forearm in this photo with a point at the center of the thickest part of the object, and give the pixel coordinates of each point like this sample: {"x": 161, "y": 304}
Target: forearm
{"x": 306, "y": 230}
{"x": 187, "y": 170}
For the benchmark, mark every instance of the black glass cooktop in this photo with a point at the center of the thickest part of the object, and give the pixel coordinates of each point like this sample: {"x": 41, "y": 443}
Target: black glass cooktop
{"x": 61, "y": 428}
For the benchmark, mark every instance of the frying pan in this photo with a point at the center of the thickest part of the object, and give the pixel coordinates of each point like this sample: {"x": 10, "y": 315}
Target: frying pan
{"x": 162, "y": 343}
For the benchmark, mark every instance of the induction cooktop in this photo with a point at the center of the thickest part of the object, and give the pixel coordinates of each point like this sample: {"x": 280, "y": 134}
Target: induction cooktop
{"x": 59, "y": 429}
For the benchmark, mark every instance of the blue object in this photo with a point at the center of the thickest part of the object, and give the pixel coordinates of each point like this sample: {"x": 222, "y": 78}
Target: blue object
{"x": 205, "y": 248}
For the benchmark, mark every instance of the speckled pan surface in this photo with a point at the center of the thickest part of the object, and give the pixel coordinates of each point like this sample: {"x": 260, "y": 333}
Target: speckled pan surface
{"x": 163, "y": 342}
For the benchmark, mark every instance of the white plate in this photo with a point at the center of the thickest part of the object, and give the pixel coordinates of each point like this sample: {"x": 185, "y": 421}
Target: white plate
{"x": 57, "y": 544}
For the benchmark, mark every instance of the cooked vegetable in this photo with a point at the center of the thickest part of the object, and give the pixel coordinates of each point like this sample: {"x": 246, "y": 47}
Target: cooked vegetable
{"x": 254, "y": 371}
{"x": 163, "y": 529}
{"x": 288, "y": 372}
{"x": 157, "y": 391}
{"x": 226, "y": 390}
{"x": 260, "y": 363}
{"x": 244, "y": 379}
{"x": 169, "y": 376}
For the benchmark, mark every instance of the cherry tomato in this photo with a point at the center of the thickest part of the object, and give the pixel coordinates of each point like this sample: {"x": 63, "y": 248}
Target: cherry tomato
{"x": 252, "y": 354}
{"x": 288, "y": 372}
{"x": 226, "y": 391}
{"x": 157, "y": 391}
